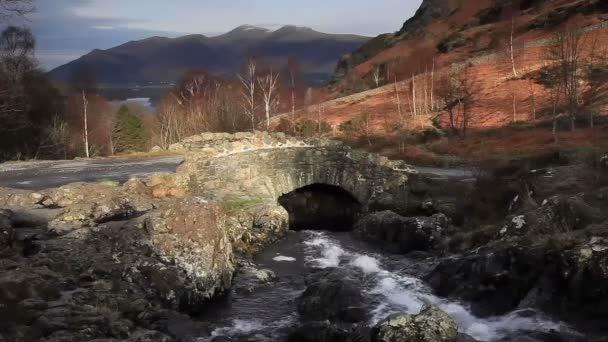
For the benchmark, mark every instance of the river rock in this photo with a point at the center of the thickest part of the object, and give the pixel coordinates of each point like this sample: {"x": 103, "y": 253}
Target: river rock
{"x": 430, "y": 325}
{"x": 249, "y": 277}
{"x": 192, "y": 233}
{"x": 328, "y": 332}
{"x": 402, "y": 234}
{"x": 332, "y": 295}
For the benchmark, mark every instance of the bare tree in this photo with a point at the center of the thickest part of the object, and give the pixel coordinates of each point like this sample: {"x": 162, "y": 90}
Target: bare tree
{"x": 269, "y": 86}
{"x": 85, "y": 133}
{"x": 376, "y": 75}
{"x": 512, "y": 46}
{"x": 566, "y": 55}
{"x": 294, "y": 74}
{"x": 11, "y": 9}
{"x": 398, "y": 96}
{"x": 248, "y": 79}
{"x": 16, "y": 61}
{"x": 459, "y": 93}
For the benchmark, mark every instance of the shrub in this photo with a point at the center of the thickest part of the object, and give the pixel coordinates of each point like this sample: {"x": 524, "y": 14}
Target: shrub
{"x": 451, "y": 42}
{"x": 309, "y": 128}
{"x": 489, "y": 15}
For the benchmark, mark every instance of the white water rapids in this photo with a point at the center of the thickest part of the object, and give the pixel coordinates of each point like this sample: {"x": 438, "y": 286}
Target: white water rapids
{"x": 393, "y": 291}
{"x": 403, "y": 293}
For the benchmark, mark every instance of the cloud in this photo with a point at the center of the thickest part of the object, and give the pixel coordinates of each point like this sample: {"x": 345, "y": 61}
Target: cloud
{"x": 102, "y": 27}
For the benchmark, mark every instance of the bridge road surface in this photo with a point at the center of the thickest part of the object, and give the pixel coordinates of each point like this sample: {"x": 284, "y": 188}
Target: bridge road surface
{"x": 39, "y": 175}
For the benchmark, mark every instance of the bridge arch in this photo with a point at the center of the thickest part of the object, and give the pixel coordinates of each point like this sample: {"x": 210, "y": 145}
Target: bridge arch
{"x": 269, "y": 166}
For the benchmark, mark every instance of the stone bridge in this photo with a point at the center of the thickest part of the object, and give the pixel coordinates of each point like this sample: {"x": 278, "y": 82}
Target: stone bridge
{"x": 267, "y": 166}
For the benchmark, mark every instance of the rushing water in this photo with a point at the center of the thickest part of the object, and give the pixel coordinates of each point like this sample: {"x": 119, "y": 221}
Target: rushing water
{"x": 390, "y": 282}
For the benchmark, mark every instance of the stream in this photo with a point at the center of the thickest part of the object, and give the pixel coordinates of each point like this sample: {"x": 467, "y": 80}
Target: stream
{"x": 390, "y": 281}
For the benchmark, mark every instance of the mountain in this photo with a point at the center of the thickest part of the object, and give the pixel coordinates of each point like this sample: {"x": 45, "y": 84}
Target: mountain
{"x": 454, "y": 30}
{"x": 164, "y": 60}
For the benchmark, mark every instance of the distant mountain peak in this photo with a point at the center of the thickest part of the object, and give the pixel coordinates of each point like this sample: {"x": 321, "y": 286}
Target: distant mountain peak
{"x": 294, "y": 28}
{"x": 249, "y": 28}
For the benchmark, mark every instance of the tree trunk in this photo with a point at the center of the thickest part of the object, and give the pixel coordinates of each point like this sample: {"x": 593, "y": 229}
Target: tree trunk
{"x": 514, "y": 108}
{"x": 554, "y": 131}
{"x": 433, "y": 86}
{"x": 86, "y": 124}
{"x": 512, "y": 48}
{"x": 414, "y": 95}
{"x": 267, "y": 107}
{"x": 401, "y": 121}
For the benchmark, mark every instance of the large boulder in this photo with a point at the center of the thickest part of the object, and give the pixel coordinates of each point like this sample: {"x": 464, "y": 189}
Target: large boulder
{"x": 402, "y": 234}
{"x": 332, "y": 295}
{"x": 192, "y": 234}
{"x": 558, "y": 214}
{"x": 492, "y": 280}
{"x": 430, "y": 325}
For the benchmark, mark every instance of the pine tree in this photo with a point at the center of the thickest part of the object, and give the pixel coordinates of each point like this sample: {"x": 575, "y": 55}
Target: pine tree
{"x": 129, "y": 134}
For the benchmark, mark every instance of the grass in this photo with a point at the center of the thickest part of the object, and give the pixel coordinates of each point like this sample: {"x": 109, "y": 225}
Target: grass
{"x": 145, "y": 155}
{"x": 239, "y": 204}
{"x": 519, "y": 141}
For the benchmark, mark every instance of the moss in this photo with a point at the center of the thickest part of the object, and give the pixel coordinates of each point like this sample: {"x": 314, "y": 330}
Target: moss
{"x": 232, "y": 205}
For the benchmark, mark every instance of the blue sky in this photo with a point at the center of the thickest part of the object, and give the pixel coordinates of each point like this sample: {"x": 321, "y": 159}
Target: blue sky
{"x": 67, "y": 29}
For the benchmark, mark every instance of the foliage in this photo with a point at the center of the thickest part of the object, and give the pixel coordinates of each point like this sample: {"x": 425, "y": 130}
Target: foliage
{"x": 28, "y": 102}
{"x": 451, "y": 42}
{"x": 489, "y": 15}
{"x": 129, "y": 133}
{"x": 310, "y": 128}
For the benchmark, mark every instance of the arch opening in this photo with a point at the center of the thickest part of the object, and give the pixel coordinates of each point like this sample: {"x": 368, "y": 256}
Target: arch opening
{"x": 321, "y": 207}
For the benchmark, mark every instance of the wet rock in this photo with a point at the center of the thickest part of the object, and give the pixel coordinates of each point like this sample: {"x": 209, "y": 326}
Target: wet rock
{"x": 6, "y": 229}
{"x": 332, "y": 295}
{"x": 327, "y": 332}
{"x": 248, "y": 278}
{"x": 430, "y": 325}
{"x": 402, "y": 234}
{"x": 493, "y": 281}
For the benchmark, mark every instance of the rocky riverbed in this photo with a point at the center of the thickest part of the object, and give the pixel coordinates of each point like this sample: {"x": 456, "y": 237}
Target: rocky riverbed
{"x": 515, "y": 255}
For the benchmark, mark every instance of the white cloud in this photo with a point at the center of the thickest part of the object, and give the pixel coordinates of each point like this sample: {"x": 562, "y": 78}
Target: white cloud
{"x": 103, "y": 27}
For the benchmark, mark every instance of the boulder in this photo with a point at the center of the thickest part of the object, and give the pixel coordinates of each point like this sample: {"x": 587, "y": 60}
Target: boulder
{"x": 249, "y": 277}
{"x": 192, "y": 234}
{"x": 558, "y": 214}
{"x": 430, "y": 325}
{"x": 402, "y": 234}
{"x": 492, "y": 280}
{"x": 332, "y": 295}
{"x": 156, "y": 149}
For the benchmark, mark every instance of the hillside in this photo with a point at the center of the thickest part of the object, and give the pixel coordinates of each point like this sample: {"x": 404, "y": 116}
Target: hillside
{"x": 164, "y": 60}
{"x": 442, "y": 39}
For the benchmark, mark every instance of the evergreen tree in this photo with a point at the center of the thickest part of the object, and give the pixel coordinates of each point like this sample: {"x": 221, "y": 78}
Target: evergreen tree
{"x": 129, "y": 134}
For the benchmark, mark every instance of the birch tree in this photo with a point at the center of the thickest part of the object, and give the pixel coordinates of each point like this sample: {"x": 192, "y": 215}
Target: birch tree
{"x": 268, "y": 85}
{"x": 248, "y": 80}
{"x": 11, "y": 9}
{"x": 376, "y": 75}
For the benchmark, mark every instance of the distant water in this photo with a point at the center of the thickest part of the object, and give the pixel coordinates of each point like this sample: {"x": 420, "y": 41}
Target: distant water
{"x": 145, "y": 102}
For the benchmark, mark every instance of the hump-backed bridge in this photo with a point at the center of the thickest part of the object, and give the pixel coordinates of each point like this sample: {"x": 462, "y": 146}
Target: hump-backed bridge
{"x": 270, "y": 165}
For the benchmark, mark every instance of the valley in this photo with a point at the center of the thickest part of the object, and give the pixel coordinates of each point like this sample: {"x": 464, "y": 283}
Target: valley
{"x": 443, "y": 182}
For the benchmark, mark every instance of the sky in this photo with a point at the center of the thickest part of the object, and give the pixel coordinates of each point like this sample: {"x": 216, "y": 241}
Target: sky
{"x": 67, "y": 29}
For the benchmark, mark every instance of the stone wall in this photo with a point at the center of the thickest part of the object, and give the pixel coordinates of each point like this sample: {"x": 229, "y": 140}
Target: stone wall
{"x": 268, "y": 165}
